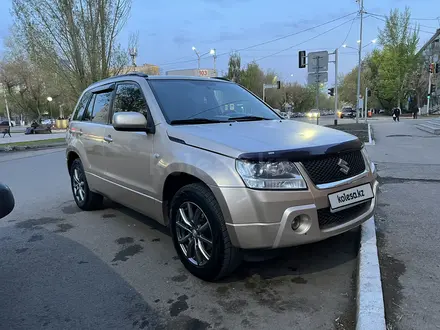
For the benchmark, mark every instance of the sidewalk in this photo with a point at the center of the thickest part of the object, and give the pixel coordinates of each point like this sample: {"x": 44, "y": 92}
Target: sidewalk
{"x": 17, "y": 137}
{"x": 407, "y": 222}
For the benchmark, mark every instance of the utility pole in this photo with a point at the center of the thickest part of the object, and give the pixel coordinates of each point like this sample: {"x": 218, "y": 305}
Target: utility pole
{"x": 336, "y": 87}
{"x": 366, "y": 104}
{"x": 317, "y": 84}
{"x": 429, "y": 88}
{"x": 361, "y": 12}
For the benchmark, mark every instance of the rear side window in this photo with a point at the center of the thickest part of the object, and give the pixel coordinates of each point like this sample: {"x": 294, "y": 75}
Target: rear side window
{"x": 89, "y": 110}
{"x": 129, "y": 97}
{"x": 82, "y": 106}
{"x": 101, "y": 108}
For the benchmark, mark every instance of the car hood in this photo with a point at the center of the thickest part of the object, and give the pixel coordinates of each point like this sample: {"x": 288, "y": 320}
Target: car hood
{"x": 260, "y": 138}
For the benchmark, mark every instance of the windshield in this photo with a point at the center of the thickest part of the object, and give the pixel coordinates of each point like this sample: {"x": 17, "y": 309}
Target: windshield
{"x": 210, "y": 100}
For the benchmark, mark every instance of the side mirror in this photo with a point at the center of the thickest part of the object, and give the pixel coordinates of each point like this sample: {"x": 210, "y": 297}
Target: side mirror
{"x": 129, "y": 121}
{"x": 7, "y": 201}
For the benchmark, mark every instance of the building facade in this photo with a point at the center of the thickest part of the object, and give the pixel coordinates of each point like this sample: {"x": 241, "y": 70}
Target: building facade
{"x": 431, "y": 54}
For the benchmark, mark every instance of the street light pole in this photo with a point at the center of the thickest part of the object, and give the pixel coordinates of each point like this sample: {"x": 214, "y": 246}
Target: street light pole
{"x": 361, "y": 4}
{"x": 198, "y": 57}
{"x": 213, "y": 52}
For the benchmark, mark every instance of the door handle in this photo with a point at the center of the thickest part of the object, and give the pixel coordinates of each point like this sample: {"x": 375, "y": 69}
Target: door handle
{"x": 108, "y": 138}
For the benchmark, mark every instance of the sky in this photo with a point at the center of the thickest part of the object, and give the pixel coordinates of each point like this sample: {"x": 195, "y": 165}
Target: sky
{"x": 169, "y": 29}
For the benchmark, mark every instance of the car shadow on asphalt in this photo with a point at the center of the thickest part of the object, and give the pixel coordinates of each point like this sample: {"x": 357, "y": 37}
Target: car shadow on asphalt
{"x": 269, "y": 264}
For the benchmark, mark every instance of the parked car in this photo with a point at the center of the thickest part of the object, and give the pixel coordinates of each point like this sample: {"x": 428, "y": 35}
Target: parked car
{"x": 36, "y": 128}
{"x": 7, "y": 123}
{"x": 222, "y": 180}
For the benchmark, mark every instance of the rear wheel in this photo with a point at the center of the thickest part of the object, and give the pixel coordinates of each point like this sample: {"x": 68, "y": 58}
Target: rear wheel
{"x": 86, "y": 199}
{"x": 199, "y": 234}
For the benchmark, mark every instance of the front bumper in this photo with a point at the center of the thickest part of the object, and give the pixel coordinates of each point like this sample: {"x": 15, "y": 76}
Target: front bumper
{"x": 262, "y": 220}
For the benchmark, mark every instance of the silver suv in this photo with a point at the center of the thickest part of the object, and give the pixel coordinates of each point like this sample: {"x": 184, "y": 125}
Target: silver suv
{"x": 212, "y": 161}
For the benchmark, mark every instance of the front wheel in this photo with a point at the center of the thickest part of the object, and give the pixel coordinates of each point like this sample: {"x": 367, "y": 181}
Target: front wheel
{"x": 86, "y": 199}
{"x": 199, "y": 234}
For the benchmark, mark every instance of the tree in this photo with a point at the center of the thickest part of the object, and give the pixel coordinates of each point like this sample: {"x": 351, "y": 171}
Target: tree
{"x": 418, "y": 83}
{"x": 252, "y": 78}
{"x": 25, "y": 87}
{"x": 399, "y": 56}
{"x": 74, "y": 39}
{"x": 234, "y": 67}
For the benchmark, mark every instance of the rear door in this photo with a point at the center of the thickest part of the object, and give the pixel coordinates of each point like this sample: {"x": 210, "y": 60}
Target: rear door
{"x": 90, "y": 131}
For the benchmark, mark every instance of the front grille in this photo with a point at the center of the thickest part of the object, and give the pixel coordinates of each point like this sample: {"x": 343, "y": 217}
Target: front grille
{"x": 326, "y": 170}
{"x": 327, "y": 219}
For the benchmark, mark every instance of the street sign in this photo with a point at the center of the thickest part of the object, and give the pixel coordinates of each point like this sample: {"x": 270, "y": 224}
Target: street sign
{"x": 317, "y": 61}
{"x": 316, "y": 78}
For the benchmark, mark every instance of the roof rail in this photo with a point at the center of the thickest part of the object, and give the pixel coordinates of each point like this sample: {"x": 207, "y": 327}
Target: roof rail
{"x": 221, "y": 78}
{"x": 135, "y": 73}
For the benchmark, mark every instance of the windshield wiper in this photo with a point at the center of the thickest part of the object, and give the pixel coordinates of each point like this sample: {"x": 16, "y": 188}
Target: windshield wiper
{"x": 247, "y": 118}
{"x": 193, "y": 121}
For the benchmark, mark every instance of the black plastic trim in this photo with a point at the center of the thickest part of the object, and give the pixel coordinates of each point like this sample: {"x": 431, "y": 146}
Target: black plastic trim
{"x": 297, "y": 155}
{"x": 103, "y": 88}
{"x": 177, "y": 140}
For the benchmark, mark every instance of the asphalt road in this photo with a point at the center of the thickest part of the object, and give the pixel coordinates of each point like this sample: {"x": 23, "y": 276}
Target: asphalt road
{"x": 114, "y": 269}
{"x": 407, "y": 221}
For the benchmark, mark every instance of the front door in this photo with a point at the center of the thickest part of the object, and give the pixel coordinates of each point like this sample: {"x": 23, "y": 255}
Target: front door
{"x": 129, "y": 156}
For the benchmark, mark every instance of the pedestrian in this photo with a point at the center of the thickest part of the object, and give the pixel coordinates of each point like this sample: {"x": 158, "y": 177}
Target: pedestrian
{"x": 415, "y": 112}
{"x": 396, "y": 114}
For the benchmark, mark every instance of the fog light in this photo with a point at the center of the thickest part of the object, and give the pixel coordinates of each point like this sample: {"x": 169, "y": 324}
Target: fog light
{"x": 301, "y": 224}
{"x": 296, "y": 223}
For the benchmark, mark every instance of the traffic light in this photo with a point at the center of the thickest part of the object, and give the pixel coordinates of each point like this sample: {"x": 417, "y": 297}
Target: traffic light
{"x": 437, "y": 67}
{"x": 278, "y": 84}
{"x": 302, "y": 59}
{"x": 331, "y": 91}
{"x": 432, "y": 91}
{"x": 369, "y": 93}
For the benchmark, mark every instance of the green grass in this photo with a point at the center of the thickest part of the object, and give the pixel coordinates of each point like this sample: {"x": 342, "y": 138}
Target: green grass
{"x": 33, "y": 143}
{"x": 360, "y": 130}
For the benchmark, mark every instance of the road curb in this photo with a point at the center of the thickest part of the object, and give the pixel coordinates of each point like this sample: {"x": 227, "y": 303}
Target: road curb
{"x": 371, "y": 142}
{"x": 370, "y": 312}
{"x": 32, "y": 147}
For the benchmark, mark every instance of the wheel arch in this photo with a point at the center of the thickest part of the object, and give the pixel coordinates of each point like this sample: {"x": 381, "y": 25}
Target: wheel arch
{"x": 178, "y": 179}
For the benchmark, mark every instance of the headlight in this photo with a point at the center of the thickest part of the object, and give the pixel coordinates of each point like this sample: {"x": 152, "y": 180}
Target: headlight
{"x": 368, "y": 160}
{"x": 270, "y": 175}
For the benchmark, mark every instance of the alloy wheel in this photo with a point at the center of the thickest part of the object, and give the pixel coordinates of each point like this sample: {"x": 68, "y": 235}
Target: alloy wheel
{"x": 78, "y": 186}
{"x": 194, "y": 234}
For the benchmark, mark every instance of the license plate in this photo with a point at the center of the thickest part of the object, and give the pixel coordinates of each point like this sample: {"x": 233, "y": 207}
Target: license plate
{"x": 350, "y": 196}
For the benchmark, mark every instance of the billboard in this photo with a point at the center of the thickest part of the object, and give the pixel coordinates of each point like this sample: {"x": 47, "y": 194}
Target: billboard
{"x": 193, "y": 72}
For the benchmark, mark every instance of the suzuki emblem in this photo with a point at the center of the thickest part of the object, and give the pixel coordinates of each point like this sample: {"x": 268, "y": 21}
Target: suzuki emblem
{"x": 343, "y": 166}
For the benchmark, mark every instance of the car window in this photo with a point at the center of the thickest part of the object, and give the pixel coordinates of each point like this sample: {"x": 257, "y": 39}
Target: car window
{"x": 129, "y": 97}
{"x": 207, "y": 99}
{"x": 101, "y": 108}
{"x": 79, "y": 112}
{"x": 89, "y": 110}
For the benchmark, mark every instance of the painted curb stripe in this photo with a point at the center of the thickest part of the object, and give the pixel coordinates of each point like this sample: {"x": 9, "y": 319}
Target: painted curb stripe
{"x": 370, "y": 306}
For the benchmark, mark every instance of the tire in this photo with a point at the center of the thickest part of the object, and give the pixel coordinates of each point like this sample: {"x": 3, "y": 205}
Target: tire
{"x": 90, "y": 200}
{"x": 224, "y": 257}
